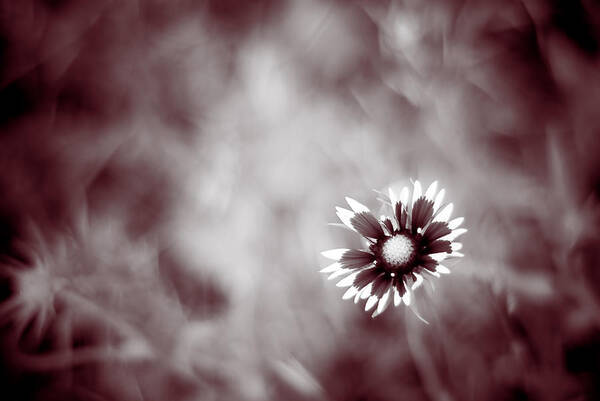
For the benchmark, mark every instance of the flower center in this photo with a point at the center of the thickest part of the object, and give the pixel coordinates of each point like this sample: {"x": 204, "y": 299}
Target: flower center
{"x": 398, "y": 250}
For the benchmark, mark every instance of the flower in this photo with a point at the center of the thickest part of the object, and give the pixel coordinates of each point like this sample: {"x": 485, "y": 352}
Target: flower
{"x": 402, "y": 250}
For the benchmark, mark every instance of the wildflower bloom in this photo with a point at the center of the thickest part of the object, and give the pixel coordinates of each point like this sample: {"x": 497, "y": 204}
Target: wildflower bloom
{"x": 402, "y": 250}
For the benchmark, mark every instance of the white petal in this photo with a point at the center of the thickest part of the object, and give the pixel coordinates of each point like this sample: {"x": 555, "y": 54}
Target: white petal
{"x": 338, "y": 273}
{"x": 366, "y": 292}
{"x": 406, "y": 297}
{"x": 435, "y": 274}
{"x": 456, "y": 246}
{"x": 397, "y": 297}
{"x": 438, "y": 257}
{"x": 393, "y": 197}
{"x": 416, "y": 191}
{"x": 445, "y": 213}
{"x": 334, "y": 254}
{"x": 414, "y": 309}
{"x": 345, "y": 216}
{"x": 454, "y": 223}
{"x": 454, "y": 234}
{"x": 383, "y": 196}
{"x": 442, "y": 269}
{"x": 439, "y": 199}
{"x": 430, "y": 193}
{"x": 407, "y": 281}
{"x": 356, "y": 206}
{"x": 418, "y": 282}
{"x": 347, "y": 281}
{"x": 404, "y": 196}
{"x": 350, "y": 292}
{"x": 371, "y": 302}
{"x": 383, "y": 302}
{"x": 331, "y": 268}
{"x": 456, "y": 255}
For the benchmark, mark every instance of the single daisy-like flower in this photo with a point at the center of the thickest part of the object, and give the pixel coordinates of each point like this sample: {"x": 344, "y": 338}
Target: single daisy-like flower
{"x": 402, "y": 250}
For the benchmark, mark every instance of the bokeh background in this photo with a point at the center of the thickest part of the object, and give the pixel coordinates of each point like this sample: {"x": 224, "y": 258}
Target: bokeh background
{"x": 168, "y": 170}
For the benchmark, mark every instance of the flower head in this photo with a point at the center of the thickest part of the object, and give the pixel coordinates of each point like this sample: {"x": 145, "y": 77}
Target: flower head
{"x": 402, "y": 250}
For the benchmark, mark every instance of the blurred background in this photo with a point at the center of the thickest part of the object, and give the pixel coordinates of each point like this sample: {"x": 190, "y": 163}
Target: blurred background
{"x": 168, "y": 170}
